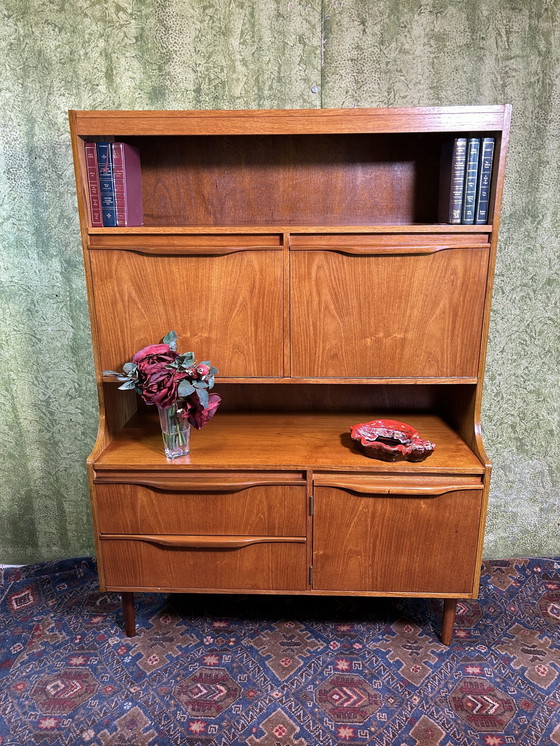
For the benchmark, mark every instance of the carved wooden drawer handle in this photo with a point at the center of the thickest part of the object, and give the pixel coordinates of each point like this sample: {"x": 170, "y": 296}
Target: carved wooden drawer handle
{"x": 179, "y": 541}
{"x": 184, "y": 484}
{"x": 182, "y": 250}
{"x": 387, "y": 250}
{"x": 395, "y": 489}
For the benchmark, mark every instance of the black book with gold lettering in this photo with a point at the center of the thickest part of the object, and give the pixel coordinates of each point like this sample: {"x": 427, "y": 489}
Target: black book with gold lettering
{"x": 452, "y": 180}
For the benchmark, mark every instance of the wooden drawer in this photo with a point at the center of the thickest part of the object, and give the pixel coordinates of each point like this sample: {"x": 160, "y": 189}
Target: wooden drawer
{"x": 168, "y": 504}
{"x": 220, "y": 563}
{"x": 397, "y": 536}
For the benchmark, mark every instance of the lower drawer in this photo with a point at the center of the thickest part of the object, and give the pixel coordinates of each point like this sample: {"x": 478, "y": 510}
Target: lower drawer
{"x": 241, "y": 563}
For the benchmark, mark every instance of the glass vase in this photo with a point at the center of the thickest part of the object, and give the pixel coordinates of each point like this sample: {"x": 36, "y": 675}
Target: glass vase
{"x": 175, "y": 431}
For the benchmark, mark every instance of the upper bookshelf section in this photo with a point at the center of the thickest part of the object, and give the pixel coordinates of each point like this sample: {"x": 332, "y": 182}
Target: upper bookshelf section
{"x": 339, "y": 168}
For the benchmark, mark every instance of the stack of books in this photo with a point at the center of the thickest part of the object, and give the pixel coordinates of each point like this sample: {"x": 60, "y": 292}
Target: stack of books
{"x": 465, "y": 179}
{"x": 114, "y": 183}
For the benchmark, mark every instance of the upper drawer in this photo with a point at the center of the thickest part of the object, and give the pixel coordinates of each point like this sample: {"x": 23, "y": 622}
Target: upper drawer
{"x": 149, "y": 240}
{"x": 390, "y": 243}
{"x": 219, "y": 505}
{"x": 226, "y": 306}
{"x": 383, "y": 306}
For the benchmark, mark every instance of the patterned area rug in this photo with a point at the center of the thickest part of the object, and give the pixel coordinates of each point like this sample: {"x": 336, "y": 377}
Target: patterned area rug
{"x": 267, "y": 671}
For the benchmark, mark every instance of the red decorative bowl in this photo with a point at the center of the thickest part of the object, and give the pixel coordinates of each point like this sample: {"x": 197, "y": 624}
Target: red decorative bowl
{"x": 391, "y": 440}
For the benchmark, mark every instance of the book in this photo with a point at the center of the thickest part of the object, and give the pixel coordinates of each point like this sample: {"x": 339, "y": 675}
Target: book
{"x": 452, "y": 180}
{"x": 106, "y": 183}
{"x": 471, "y": 179}
{"x": 484, "y": 180}
{"x": 128, "y": 184}
{"x": 93, "y": 185}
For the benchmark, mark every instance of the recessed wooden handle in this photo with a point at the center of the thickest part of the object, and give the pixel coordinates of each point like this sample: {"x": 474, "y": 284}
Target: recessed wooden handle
{"x": 386, "y": 250}
{"x": 184, "y": 484}
{"x": 182, "y": 250}
{"x": 179, "y": 541}
{"x": 395, "y": 489}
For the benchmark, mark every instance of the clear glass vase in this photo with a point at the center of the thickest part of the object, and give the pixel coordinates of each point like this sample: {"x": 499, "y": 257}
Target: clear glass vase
{"x": 175, "y": 431}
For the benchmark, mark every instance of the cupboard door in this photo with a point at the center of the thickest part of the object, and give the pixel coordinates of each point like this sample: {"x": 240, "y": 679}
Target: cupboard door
{"x": 390, "y": 314}
{"x": 401, "y": 543}
{"x": 226, "y": 308}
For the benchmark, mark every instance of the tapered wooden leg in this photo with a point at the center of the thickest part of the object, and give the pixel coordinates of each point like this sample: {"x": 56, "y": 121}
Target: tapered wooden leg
{"x": 128, "y": 613}
{"x": 449, "y": 608}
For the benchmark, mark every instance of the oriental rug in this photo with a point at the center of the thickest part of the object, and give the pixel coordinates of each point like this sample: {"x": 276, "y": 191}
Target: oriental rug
{"x": 268, "y": 671}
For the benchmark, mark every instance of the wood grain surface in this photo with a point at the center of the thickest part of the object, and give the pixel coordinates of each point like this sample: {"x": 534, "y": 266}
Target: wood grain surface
{"x": 274, "y": 510}
{"x": 387, "y": 315}
{"x": 296, "y": 121}
{"x": 395, "y": 543}
{"x": 272, "y": 565}
{"x": 308, "y": 440}
{"x": 227, "y": 309}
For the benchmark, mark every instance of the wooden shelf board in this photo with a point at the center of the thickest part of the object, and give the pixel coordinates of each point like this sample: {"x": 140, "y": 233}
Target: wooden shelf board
{"x": 274, "y": 441}
{"x": 344, "y": 381}
{"x": 269, "y": 228}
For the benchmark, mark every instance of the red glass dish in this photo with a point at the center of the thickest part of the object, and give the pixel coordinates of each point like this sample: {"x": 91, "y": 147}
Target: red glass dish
{"x": 391, "y": 440}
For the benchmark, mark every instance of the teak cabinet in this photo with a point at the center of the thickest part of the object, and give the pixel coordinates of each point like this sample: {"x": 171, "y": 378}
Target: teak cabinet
{"x": 300, "y": 252}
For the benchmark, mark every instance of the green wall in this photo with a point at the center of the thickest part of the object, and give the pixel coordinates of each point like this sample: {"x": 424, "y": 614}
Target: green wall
{"x": 187, "y": 54}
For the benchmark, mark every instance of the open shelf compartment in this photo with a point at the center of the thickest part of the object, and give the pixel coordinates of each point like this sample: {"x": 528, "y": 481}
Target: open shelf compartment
{"x": 285, "y": 440}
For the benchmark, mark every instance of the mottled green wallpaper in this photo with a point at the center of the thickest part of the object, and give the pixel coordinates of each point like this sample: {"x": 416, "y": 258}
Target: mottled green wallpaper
{"x": 257, "y": 54}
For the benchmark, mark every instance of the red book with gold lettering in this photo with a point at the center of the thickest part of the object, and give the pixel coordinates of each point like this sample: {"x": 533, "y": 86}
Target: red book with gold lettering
{"x": 128, "y": 184}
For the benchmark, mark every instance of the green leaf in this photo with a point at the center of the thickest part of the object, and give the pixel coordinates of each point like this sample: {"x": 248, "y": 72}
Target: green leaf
{"x": 213, "y": 371}
{"x": 186, "y": 360}
{"x": 202, "y": 397}
{"x": 111, "y": 373}
{"x": 200, "y": 384}
{"x": 130, "y": 368}
{"x": 185, "y": 389}
{"x": 127, "y": 385}
{"x": 171, "y": 340}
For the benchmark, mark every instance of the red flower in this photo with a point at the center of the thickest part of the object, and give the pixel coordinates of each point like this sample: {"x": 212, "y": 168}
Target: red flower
{"x": 156, "y": 372}
{"x": 197, "y": 415}
{"x": 160, "y": 388}
{"x": 152, "y": 358}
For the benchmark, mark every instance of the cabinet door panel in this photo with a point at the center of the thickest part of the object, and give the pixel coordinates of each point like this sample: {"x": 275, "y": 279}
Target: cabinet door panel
{"x": 225, "y": 308}
{"x": 397, "y": 543}
{"x": 387, "y": 315}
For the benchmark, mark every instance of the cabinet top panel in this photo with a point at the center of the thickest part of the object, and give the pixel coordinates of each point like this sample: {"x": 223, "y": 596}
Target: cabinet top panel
{"x": 292, "y": 121}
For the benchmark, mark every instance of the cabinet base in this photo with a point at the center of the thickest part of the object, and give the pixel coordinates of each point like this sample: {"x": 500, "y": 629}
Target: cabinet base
{"x": 448, "y": 618}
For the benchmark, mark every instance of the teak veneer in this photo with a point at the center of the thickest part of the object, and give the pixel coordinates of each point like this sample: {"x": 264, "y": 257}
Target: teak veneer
{"x": 299, "y": 251}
